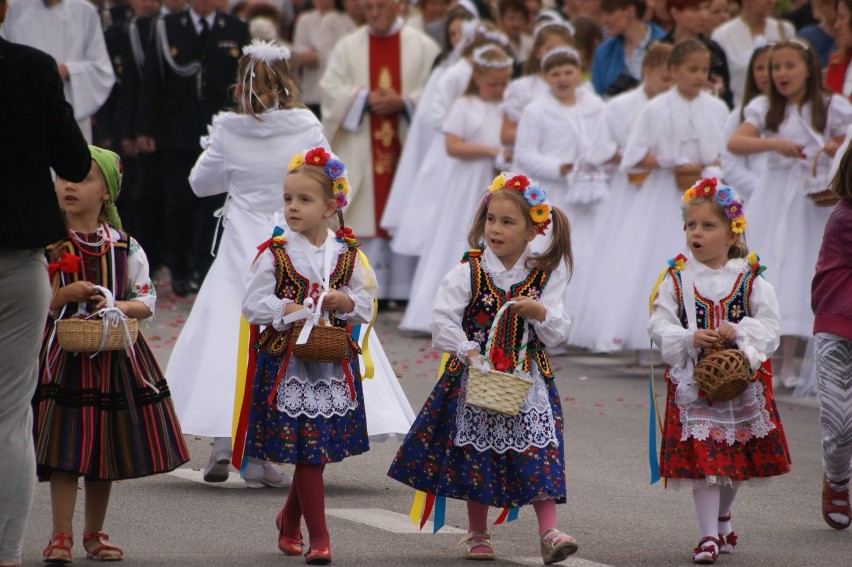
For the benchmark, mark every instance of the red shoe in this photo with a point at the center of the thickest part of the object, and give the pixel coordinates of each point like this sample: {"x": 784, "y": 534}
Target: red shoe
{"x": 103, "y": 551}
{"x": 728, "y": 541}
{"x": 318, "y": 556}
{"x": 707, "y": 551}
{"x": 287, "y": 544}
{"x": 58, "y": 550}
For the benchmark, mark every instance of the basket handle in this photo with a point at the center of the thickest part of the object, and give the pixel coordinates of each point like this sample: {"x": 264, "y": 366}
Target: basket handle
{"x": 522, "y": 353}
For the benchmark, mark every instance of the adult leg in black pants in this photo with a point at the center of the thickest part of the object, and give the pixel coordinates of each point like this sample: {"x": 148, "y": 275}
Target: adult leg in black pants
{"x": 149, "y": 201}
{"x": 182, "y": 210}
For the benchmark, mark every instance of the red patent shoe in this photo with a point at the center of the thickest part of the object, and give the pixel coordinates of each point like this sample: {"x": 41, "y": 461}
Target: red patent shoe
{"x": 318, "y": 556}
{"x": 287, "y": 544}
{"x": 58, "y": 550}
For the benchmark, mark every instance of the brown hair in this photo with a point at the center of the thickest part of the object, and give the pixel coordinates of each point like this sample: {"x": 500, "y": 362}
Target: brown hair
{"x": 532, "y": 66}
{"x": 558, "y": 59}
{"x": 815, "y": 92}
{"x": 271, "y": 87}
{"x": 560, "y": 230}
{"x": 610, "y": 6}
{"x": 319, "y": 175}
{"x": 587, "y": 35}
{"x": 454, "y": 14}
{"x": 738, "y": 249}
{"x": 841, "y": 183}
{"x": 658, "y": 54}
{"x": 684, "y": 48}
{"x": 751, "y": 91}
{"x": 480, "y": 38}
{"x": 492, "y": 54}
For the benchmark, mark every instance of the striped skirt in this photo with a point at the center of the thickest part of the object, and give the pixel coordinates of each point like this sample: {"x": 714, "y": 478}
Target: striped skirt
{"x": 94, "y": 417}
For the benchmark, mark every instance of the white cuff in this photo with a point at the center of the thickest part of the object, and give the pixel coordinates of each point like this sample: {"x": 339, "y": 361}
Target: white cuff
{"x": 461, "y": 352}
{"x": 352, "y": 120}
{"x": 344, "y": 316}
{"x": 278, "y": 319}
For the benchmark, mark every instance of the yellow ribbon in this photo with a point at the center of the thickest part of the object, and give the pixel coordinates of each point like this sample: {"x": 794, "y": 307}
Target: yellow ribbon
{"x": 417, "y": 506}
{"x": 369, "y": 368}
{"x": 242, "y": 363}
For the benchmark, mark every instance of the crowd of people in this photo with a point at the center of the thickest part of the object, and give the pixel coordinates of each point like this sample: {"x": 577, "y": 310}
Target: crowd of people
{"x": 612, "y": 126}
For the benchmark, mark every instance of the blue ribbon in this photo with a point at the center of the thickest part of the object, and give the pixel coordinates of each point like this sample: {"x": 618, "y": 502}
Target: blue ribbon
{"x": 513, "y": 514}
{"x": 653, "y": 461}
{"x": 440, "y": 513}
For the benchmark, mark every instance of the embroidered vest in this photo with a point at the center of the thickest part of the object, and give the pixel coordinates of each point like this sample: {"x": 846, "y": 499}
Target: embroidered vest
{"x": 95, "y": 269}
{"x": 486, "y": 300}
{"x": 290, "y": 284}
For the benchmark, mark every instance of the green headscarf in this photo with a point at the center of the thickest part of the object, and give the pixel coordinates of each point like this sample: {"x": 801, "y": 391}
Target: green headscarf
{"x": 111, "y": 169}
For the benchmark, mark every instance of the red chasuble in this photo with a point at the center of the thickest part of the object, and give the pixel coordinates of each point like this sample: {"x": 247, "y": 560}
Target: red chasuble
{"x": 385, "y": 73}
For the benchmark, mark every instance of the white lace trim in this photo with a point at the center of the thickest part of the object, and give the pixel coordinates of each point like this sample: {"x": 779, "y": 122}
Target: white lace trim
{"x": 677, "y": 484}
{"x": 737, "y": 421}
{"x": 461, "y": 352}
{"x": 534, "y": 426}
{"x": 301, "y": 397}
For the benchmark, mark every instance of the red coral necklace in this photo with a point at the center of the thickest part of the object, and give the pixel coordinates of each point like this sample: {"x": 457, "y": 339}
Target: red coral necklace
{"x": 104, "y": 242}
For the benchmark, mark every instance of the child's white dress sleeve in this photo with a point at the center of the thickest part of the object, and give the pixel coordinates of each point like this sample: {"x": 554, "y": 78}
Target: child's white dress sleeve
{"x": 362, "y": 290}
{"x": 260, "y": 304}
{"x": 533, "y": 151}
{"x": 208, "y": 176}
{"x": 452, "y": 299}
{"x": 140, "y": 287}
{"x": 759, "y": 335}
{"x": 553, "y": 331}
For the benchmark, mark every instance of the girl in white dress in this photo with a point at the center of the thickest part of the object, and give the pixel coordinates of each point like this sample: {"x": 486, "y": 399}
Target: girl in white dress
{"x": 422, "y": 131}
{"x": 606, "y": 149}
{"x": 472, "y": 138}
{"x": 799, "y": 125}
{"x": 553, "y": 138}
{"x": 547, "y": 35}
{"x": 243, "y": 158}
{"x": 745, "y": 171}
{"x": 680, "y": 128}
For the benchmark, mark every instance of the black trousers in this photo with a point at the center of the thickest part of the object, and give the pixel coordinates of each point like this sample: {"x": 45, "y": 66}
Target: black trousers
{"x": 148, "y": 202}
{"x": 189, "y": 219}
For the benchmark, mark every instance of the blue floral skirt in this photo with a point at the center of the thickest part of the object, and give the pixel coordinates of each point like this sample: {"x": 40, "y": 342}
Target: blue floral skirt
{"x": 273, "y": 435}
{"x": 428, "y": 460}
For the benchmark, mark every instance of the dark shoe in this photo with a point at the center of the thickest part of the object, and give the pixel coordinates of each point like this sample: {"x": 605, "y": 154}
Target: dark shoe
{"x": 180, "y": 288}
{"x": 706, "y": 552}
{"x": 835, "y": 502}
{"x": 318, "y": 556}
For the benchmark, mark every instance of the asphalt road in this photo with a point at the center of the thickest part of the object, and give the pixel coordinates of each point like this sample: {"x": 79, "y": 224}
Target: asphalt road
{"x": 616, "y": 516}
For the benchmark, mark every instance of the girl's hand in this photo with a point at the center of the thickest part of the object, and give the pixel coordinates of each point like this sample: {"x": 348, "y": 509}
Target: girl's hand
{"x": 788, "y": 148}
{"x": 528, "y": 307}
{"x": 687, "y": 167}
{"x": 727, "y": 332}
{"x": 337, "y": 301}
{"x": 565, "y": 168}
{"x": 474, "y": 358}
{"x": 705, "y": 338}
{"x": 78, "y": 292}
{"x": 831, "y": 148}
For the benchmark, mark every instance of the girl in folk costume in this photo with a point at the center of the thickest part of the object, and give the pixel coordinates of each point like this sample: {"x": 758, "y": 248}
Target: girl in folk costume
{"x": 523, "y": 90}
{"x": 714, "y": 300}
{"x": 472, "y": 134}
{"x": 799, "y": 125}
{"x": 105, "y": 416}
{"x": 677, "y": 131}
{"x": 423, "y": 209}
{"x": 745, "y": 171}
{"x": 300, "y": 411}
{"x": 554, "y": 136}
{"x": 422, "y": 131}
{"x": 608, "y": 143}
{"x": 461, "y": 451}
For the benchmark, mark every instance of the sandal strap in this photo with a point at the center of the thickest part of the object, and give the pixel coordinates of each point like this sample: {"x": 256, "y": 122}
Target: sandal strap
{"x": 59, "y": 541}
{"x": 102, "y": 538}
{"x": 552, "y": 536}
{"x": 829, "y": 496}
{"x": 730, "y": 539}
{"x": 477, "y": 539}
{"x": 705, "y": 547}
{"x": 725, "y": 518}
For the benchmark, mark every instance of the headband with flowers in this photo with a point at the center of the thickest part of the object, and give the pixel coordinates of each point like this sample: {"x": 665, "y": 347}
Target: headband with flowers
{"x": 534, "y": 195}
{"x": 561, "y": 50}
{"x": 501, "y": 62}
{"x": 724, "y": 196}
{"x": 332, "y": 167}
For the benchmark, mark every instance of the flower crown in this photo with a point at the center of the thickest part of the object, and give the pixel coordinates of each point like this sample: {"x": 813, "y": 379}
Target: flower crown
{"x": 504, "y": 62}
{"x": 534, "y": 195}
{"x": 554, "y": 24}
{"x": 332, "y": 167}
{"x": 724, "y": 196}
{"x": 267, "y": 52}
{"x": 561, "y": 50}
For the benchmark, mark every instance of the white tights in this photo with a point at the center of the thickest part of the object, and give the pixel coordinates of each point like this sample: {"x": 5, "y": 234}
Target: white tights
{"x": 711, "y": 503}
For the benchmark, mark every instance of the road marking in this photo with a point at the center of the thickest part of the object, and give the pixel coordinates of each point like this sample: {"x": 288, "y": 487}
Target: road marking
{"x": 197, "y": 475}
{"x": 573, "y": 561}
{"x": 388, "y": 521}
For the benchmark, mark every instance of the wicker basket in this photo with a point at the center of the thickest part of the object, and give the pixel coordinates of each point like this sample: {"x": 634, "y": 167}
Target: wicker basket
{"x": 85, "y": 335}
{"x": 722, "y": 374}
{"x": 827, "y": 198}
{"x": 326, "y": 343}
{"x": 686, "y": 177}
{"x": 637, "y": 177}
{"x": 497, "y": 391}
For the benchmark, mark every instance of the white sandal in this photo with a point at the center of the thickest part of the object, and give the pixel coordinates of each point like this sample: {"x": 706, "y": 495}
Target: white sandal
{"x": 556, "y": 546}
{"x": 478, "y": 539}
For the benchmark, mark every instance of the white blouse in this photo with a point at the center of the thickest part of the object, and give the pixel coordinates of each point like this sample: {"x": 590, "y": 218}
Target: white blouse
{"x": 262, "y": 307}
{"x": 454, "y": 295}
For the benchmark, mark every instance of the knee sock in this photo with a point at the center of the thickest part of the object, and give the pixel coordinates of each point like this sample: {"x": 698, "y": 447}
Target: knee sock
{"x": 292, "y": 517}
{"x": 545, "y": 511}
{"x": 311, "y": 493}
{"x": 477, "y": 517}
{"x": 707, "y": 509}
{"x": 726, "y": 500}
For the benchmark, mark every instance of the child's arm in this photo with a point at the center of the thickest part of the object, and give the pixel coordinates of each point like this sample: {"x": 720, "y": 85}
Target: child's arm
{"x": 677, "y": 344}
{"x": 76, "y": 292}
{"x": 746, "y": 140}
{"x": 260, "y": 304}
{"x": 450, "y": 303}
{"x": 142, "y": 297}
{"x": 759, "y": 334}
{"x": 208, "y": 175}
{"x": 547, "y": 313}
{"x": 354, "y": 303}
{"x": 458, "y": 148}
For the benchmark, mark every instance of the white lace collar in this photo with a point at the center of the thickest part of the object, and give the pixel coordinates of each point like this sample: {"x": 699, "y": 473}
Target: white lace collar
{"x": 735, "y": 265}
{"x": 298, "y": 243}
{"x": 494, "y": 267}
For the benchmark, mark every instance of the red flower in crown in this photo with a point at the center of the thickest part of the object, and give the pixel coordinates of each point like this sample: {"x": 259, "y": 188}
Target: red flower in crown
{"x": 518, "y": 182}
{"x": 541, "y": 227}
{"x": 500, "y": 360}
{"x": 706, "y": 187}
{"x": 317, "y": 156}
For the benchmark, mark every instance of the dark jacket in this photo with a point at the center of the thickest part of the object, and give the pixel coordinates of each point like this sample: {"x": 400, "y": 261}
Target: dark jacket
{"x": 831, "y": 290}
{"x": 183, "y": 106}
{"x": 718, "y": 64}
{"x": 37, "y": 132}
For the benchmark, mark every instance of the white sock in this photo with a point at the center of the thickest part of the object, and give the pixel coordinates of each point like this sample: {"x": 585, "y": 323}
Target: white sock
{"x": 726, "y": 500}
{"x": 707, "y": 509}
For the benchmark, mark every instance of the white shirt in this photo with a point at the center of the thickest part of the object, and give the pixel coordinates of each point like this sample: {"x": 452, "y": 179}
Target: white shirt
{"x": 196, "y": 20}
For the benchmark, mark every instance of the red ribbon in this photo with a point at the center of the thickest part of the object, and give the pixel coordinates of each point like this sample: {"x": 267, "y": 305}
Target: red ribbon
{"x": 69, "y": 263}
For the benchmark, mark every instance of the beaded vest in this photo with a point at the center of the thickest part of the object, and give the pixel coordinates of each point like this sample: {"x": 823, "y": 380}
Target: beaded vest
{"x": 486, "y": 300}
{"x": 290, "y": 284}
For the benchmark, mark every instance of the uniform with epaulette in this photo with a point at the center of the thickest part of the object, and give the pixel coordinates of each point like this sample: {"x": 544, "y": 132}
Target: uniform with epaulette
{"x": 185, "y": 82}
